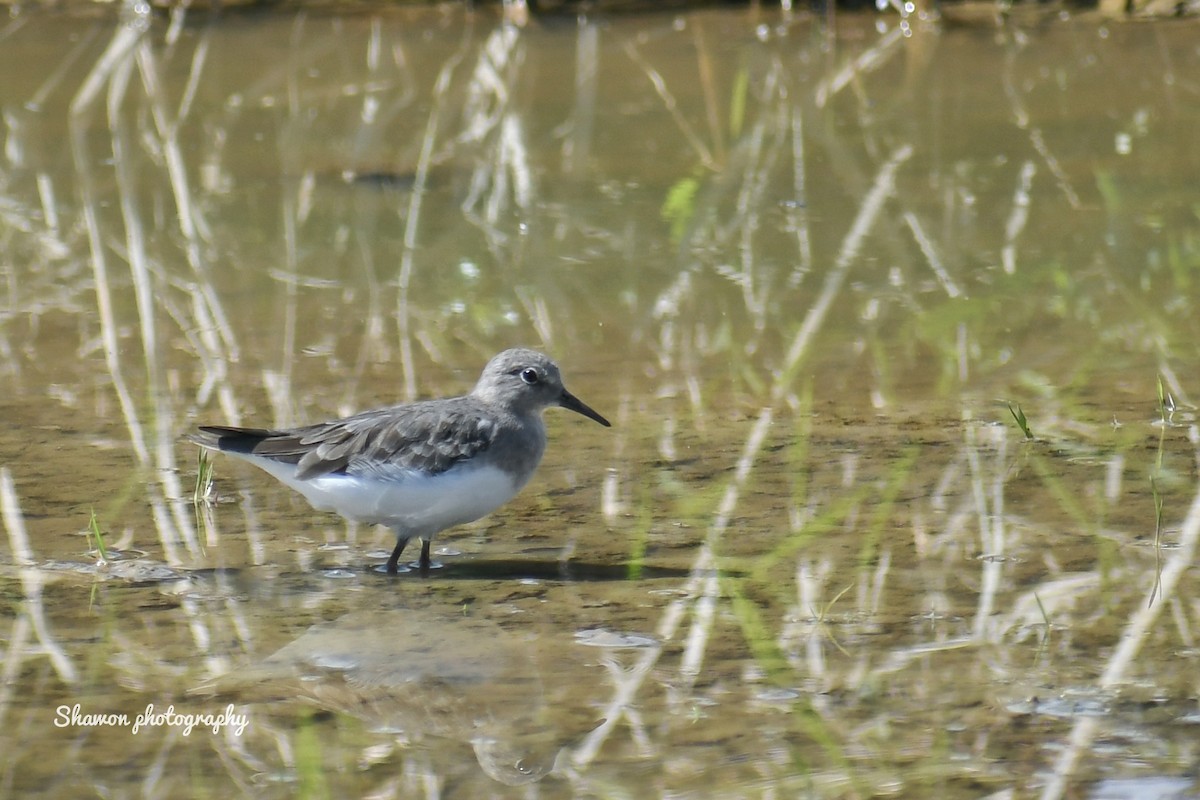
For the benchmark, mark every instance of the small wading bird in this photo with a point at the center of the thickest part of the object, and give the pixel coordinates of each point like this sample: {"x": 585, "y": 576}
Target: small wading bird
{"x": 422, "y": 467}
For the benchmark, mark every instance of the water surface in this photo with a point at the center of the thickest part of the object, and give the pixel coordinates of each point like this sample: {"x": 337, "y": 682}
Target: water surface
{"x": 812, "y": 269}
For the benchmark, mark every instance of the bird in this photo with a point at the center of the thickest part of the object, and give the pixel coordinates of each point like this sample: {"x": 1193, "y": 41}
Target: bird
{"x": 420, "y": 467}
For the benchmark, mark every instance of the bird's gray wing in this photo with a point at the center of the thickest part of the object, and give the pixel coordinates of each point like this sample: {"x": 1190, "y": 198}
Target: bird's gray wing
{"x": 431, "y": 437}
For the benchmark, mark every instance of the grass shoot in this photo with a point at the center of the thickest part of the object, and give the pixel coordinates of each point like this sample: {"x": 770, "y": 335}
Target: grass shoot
{"x": 96, "y": 536}
{"x": 1022, "y": 423}
{"x": 206, "y": 491}
{"x": 1166, "y": 403}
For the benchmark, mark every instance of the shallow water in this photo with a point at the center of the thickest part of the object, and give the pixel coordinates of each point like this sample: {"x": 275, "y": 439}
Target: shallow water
{"x": 806, "y": 266}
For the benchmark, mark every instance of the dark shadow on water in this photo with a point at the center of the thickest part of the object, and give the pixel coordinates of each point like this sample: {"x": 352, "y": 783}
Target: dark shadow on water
{"x": 517, "y": 569}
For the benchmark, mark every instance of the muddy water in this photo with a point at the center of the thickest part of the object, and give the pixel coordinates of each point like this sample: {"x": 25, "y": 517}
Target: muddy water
{"x": 805, "y": 266}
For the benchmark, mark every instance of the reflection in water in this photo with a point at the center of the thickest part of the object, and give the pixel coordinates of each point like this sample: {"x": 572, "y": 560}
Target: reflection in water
{"x": 422, "y": 673}
{"x": 32, "y": 620}
{"x": 810, "y": 261}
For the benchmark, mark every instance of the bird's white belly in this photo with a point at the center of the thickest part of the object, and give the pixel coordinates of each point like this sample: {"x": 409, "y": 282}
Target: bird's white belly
{"x": 416, "y": 503}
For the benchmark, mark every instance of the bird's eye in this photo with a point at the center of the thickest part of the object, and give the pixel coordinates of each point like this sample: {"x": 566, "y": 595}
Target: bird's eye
{"x": 530, "y": 375}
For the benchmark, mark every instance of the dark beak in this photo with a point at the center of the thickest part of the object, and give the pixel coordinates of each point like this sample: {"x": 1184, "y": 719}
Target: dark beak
{"x": 572, "y": 402}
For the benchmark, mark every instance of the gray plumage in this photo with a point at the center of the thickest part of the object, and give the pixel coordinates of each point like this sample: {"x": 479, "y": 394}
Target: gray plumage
{"x": 497, "y": 425}
{"x": 431, "y": 436}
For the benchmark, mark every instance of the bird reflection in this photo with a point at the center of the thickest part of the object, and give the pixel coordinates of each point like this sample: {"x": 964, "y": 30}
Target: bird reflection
{"x": 423, "y": 674}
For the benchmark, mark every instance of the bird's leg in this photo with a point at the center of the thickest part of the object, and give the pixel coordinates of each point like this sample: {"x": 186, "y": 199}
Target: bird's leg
{"x": 424, "y": 562}
{"x": 394, "y": 559}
